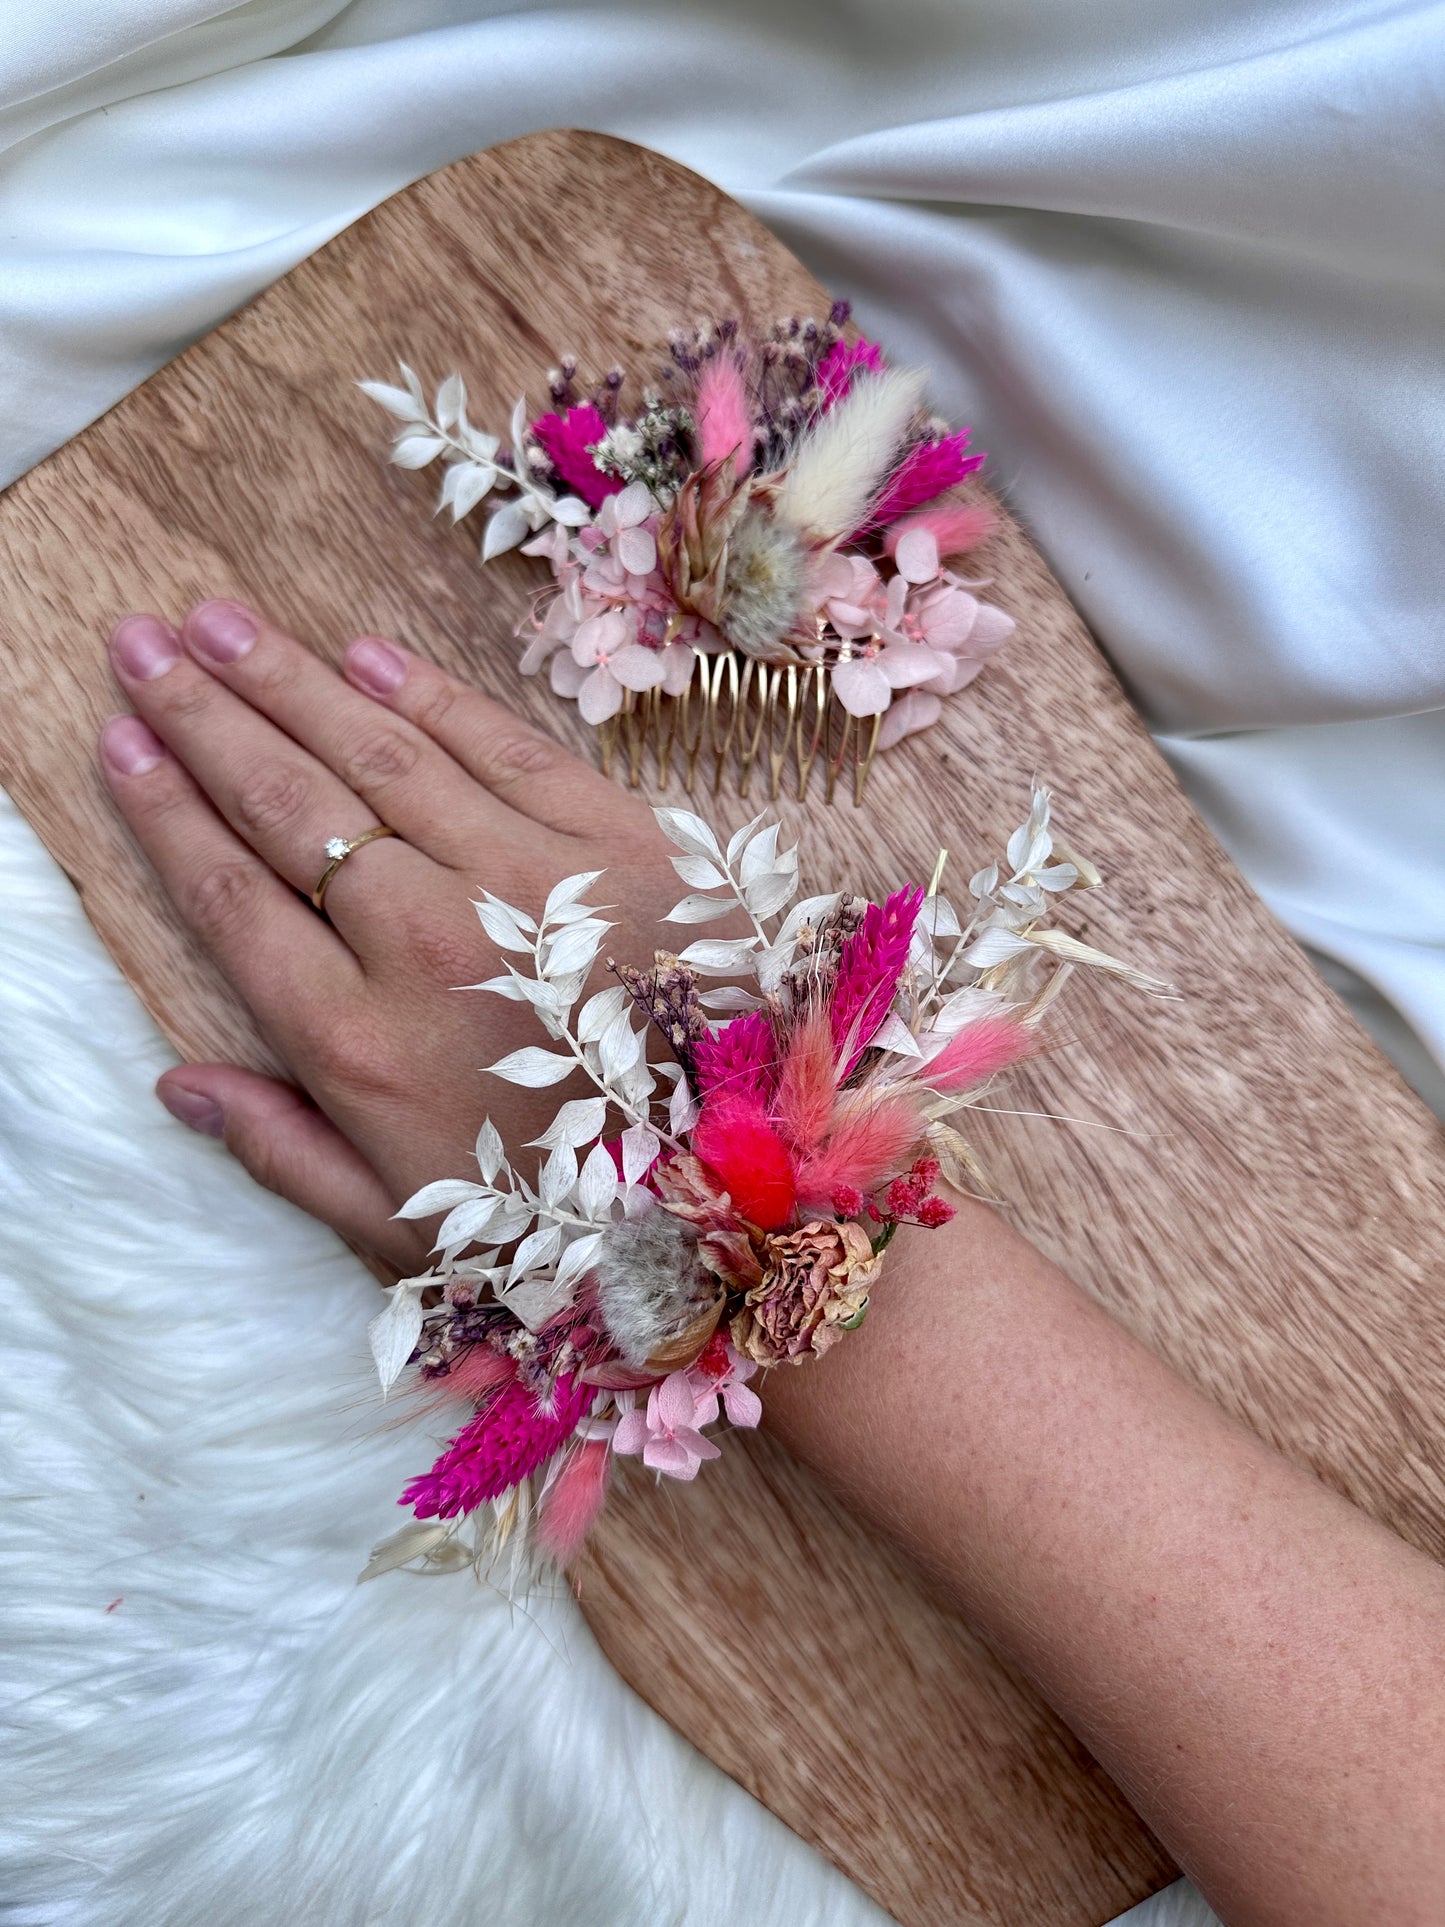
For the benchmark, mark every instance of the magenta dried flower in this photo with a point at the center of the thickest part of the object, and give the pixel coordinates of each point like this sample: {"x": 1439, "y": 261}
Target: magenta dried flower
{"x": 510, "y": 1437}
{"x": 740, "y": 1060}
{"x": 842, "y": 361}
{"x": 566, "y": 440}
{"x": 868, "y": 972}
{"x": 925, "y": 472}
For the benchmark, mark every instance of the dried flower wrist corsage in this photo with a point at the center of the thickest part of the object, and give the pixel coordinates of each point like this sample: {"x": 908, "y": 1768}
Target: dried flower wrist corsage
{"x": 718, "y": 1206}
{"x": 749, "y": 566}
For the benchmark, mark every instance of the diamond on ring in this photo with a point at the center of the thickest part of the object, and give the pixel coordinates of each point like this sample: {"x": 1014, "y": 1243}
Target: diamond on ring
{"x": 337, "y": 847}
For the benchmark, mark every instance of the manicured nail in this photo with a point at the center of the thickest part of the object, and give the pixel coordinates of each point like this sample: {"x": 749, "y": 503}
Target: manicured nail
{"x": 373, "y": 665}
{"x": 221, "y": 631}
{"x": 144, "y": 647}
{"x": 130, "y": 746}
{"x": 195, "y": 1110}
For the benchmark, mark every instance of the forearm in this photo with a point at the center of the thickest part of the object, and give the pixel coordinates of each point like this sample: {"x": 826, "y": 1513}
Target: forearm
{"x": 1254, "y": 1660}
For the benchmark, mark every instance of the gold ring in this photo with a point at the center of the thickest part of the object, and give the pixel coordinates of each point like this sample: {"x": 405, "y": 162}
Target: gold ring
{"x": 338, "y": 849}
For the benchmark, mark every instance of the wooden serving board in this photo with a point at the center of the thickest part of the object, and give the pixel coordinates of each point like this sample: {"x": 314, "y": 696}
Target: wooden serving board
{"x": 1273, "y": 1223}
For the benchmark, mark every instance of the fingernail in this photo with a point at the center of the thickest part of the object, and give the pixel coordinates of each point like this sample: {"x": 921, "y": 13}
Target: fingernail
{"x": 144, "y": 647}
{"x": 195, "y": 1110}
{"x": 373, "y": 665}
{"x": 221, "y": 631}
{"x": 130, "y": 746}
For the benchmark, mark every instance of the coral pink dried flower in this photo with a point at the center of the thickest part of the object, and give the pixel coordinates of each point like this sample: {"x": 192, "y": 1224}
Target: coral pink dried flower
{"x": 566, "y": 439}
{"x": 734, "y": 1139}
{"x": 988, "y": 1045}
{"x": 571, "y": 1507}
{"x": 507, "y": 1439}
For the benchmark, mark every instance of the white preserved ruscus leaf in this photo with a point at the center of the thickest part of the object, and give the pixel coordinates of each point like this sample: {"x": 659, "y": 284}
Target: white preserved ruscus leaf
{"x": 443, "y": 1195}
{"x": 533, "y": 1067}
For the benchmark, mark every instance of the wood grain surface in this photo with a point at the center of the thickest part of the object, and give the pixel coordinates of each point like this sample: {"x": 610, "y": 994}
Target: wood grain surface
{"x": 1259, "y": 1195}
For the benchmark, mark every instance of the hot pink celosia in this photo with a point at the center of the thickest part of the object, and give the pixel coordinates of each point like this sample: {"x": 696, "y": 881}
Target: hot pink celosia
{"x": 842, "y": 361}
{"x": 740, "y": 1060}
{"x": 507, "y": 1439}
{"x": 924, "y": 473}
{"x": 868, "y": 972}
{"x": 565, "y": 439}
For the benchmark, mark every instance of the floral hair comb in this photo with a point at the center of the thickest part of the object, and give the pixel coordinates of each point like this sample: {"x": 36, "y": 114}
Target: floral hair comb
{"x": 749, "y": 569}
{"x": 711, "y": 1213}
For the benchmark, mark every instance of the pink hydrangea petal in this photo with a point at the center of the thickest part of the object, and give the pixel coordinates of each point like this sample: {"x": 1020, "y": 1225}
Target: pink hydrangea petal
{"x": 742, "y": 1404}
{"x": 598, "y": 636}
{"x": 666, "y": 1455}
{"x": 676, "y": 1403}
{"x": 677, "y": 668}
{"x": 632, "y": 1433}
{"x": 907, "y": 663}
{"x": 635, "y": 667}
{"x": 949, "y": 620}
{"x": 916, "y": 556}
{"x": 916, "y": 709}
{"x": 696, "y": 1446}
{"x": 862, "y": 687}
{"x": 600, "y": 697}
{"x": 633, "y": 505}
{"x": 636, "y": 551}
{"x": 991, "y": 630}
{"x": 567, "y": 675}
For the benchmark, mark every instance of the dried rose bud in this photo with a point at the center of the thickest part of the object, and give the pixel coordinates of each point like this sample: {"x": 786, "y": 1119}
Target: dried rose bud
{"x": 815, "y": 1285}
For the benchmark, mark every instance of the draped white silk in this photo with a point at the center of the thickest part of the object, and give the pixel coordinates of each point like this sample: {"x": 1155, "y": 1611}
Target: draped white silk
{"x": 1181, "y": 262}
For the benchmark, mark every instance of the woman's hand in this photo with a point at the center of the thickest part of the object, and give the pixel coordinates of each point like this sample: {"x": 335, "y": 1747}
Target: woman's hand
{"x": 245, "y": 755}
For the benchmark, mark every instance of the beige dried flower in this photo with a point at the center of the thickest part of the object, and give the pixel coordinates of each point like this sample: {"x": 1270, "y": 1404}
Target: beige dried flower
{"x": 814, "y": 1286}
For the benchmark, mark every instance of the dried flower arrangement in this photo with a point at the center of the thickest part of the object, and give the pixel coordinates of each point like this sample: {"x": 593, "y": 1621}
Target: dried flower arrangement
{"x": 751, "y": 565}
{"x": 736, "y": 1217}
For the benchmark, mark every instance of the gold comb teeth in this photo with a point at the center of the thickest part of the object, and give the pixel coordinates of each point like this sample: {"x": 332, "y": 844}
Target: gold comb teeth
{"x": 758, "y": 720}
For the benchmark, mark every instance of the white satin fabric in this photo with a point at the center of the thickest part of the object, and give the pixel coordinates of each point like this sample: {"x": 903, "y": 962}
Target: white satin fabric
{"x": 1180, "y": 261}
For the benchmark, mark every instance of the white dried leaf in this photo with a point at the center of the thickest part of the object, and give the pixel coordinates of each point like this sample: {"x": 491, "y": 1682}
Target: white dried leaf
{"x": 938, "y": 919}
{"x": 464, "y": 485}
{"x": 894, "y": 1035}
{"x": 414, "y": 1541}
{"x": 513, "y": 1222}
{"x": 533, "y": 1067}
{"x": 451, "y": 401}
{"x": 396, "y": 401}
{"x": 576, "y": 945}
{"x": 640, "y": 1146}
{"x": 729, "y": 997}
{"x": 558, "y": 1175}
{"x": 767, "y": 895}
{"x": 541, "y": 995}
{"x": 441, "y": 1196}
{"x": 461, "y": 1226}
{"x": 562, "y": 896}
{"x": 682, "y": 1108}
{"x": 720, "y": 956}
{"x": 983, "y": 882}
{"x": 501, "y": 987}
{"x": 571, "y": 512}
{"x": 1082, "y": 953}
{"x": 995, "y": 946}
{"x": 964, "y": 1007}
{"x": 577, "y": 1123}
{"x": 415, "y": 450}
{"x": 538, "y": 1248}
{"x": 536, "y": 1301}
{"x": 576, "y": 1258}
{"x": 506, "y": 527}
{"x": 491, "y": 1154}
{"x": 519, "y": 429}
{"x": 698, "y": 871}
{"x": 597, "y": 1184}
{"x": 688, "y": 832}
{"x": 1056, "y": 877}
{"x": 619, "y": 1047}
{"x": 503, "y": 925}
{"x": 759, "y": 856}
{"x": 737, "y": 842}
{"x": 698, "y": 909}
{"x": 599, "y": 1011}
{"x": 395, "y": 1329}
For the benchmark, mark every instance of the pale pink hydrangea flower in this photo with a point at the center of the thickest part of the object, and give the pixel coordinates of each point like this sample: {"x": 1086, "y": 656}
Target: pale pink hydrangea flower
{"x": 665, "y": 1431}
{"x": 920, "y": 631}
{"x": 607, "y": 631}
{"x": 739, "y": 1400}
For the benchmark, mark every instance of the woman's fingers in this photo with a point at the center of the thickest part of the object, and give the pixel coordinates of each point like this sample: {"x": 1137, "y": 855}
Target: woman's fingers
{"x": 273, "y": 947}
{"x": 406, "y": 777}
{"x": 274, "y": 794}
{"x": 288, "y": 1146}
{"x": 517, "y": 763}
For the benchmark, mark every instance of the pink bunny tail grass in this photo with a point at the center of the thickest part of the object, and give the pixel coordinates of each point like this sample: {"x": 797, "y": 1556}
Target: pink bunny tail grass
{"x": 868, "y": 972}
{"x": 721, "y": 415}
{"x": 571, "y": 1507}
{"x": 954, "y": 527}
{"x": 740, "y": 1060}
{"x": 566, "y": 439}
{"x": 988, "y": 1045}
{"x": 870, "y": 1143}
{"x": 475, "y": 1373}
{"x": 808, "y": 1083}
{"x": 925, "y": 472}
{"x": 842, "y": 361}
{"x": 506, "y": 1440}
